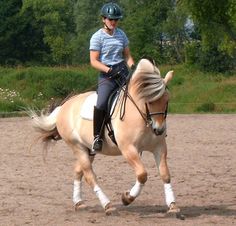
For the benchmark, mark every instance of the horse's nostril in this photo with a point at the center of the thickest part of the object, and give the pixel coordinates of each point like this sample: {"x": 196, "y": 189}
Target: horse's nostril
{"x": 159, "y": 131}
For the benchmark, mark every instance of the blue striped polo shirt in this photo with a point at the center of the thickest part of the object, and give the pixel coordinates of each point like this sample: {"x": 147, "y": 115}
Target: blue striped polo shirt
{"x": 111, "y": 47}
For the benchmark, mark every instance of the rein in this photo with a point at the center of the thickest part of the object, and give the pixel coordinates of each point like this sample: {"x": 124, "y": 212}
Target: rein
{"x": 147, "y": 117}
{"x": 123, "y": 105}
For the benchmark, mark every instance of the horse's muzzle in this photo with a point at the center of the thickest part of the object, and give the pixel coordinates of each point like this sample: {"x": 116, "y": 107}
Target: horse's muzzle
{"x": 159, "y": 131}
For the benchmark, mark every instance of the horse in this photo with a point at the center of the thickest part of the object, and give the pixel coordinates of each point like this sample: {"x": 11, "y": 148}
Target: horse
{"x": 143, "y": 102}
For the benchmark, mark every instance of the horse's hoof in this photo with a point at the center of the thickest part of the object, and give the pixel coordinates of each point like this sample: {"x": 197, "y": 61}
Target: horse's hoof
{"x": 80, "y": 206}
{"x": 175, "y": 212}
{"x": 173, "y": 208}
{"x": 109, "y": 210}
{"x": 126, "y": 198}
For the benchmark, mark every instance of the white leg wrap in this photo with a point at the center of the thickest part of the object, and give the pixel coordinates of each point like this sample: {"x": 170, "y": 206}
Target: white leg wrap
{"x": 77, "y": 196}
{"x": 136, "y": 189}
{"x": 169, "y": 194}
{"x": 101, "y": 196}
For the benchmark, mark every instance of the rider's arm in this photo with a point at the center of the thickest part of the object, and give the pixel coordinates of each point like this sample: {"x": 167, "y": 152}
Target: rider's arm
{"x": 94, "y": 61}
{"x": 128, "y": 57}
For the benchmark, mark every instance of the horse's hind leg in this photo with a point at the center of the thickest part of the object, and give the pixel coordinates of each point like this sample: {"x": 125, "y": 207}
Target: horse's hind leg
{"x": 84, "y": 168}
{"x": 161, "y": 161}
{"x": 77, "y": 189}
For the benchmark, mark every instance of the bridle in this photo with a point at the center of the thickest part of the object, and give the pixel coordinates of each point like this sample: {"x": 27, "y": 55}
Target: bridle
{"x": 147, "y": 116}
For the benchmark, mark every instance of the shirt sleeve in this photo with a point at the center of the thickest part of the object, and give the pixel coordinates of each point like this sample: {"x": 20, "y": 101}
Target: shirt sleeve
{"x": 125, "y": 38}
{"x": 95, "y": 43}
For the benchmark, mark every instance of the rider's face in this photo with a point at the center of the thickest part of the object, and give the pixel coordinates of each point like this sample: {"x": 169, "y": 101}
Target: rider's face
{"x": 110, "y": 23}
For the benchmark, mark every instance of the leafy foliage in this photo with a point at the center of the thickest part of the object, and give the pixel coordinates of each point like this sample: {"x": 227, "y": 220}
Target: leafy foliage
{"x": 20, "y": 36}
{"x": 216, "y": 21}
{"x": 57, "y": 25}
{"x": 45, "y": 32}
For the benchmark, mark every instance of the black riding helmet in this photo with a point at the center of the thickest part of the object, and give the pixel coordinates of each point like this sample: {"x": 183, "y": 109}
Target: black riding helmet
{"x": 111, "y": 11}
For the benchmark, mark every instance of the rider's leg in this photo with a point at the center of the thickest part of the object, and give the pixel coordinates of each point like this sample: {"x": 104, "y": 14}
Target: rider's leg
{"x": 98, "y": 128}
{"x": 105, "y": 88}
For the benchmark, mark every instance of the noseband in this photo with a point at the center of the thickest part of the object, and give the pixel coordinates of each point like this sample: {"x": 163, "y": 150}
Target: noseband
{"x": 149, "y": 114}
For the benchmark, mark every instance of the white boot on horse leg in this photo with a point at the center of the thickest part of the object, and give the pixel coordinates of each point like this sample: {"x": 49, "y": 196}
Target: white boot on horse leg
{"x": 105, "y": 202}
{"x": 77, "y": 196}
{"x": 160, "y": 156}
{"x": 77, "y": 187}
{"x": 130, "y": 196}
{"x": 170, "y": 199}
{"x": 133, "y": 158}
{"x": 169, "y": 194}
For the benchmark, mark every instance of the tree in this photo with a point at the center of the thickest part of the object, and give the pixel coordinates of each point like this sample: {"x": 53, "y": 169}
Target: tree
{"x": 88, "y": 20}
{"x": 156, "y": 28}
{"x": 57, "y": 22}
{"x": 216, "y": 21}
{"x": 177, "y": 33}
{"x": 20, "y": 39}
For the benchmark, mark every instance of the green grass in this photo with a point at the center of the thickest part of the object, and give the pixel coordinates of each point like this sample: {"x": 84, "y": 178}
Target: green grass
{"x": 37, "y": 86}
{"x": 192, "y": 91}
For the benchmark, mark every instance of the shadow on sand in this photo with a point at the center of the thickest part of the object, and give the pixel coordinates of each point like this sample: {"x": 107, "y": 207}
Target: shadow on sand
{"x": 146, "y": 211}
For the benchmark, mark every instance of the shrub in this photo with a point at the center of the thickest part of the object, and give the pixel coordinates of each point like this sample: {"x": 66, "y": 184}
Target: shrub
{"x": 206, "y": 107}
{"x": 192, "y": 52}
{"x": 211, "y": 59}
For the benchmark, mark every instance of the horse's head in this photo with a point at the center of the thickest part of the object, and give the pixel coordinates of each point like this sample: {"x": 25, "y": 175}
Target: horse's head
{"x": 150, "y": 88}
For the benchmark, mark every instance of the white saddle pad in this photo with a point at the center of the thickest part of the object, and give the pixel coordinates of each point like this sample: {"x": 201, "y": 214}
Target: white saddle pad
{"x": 88, "y": 106}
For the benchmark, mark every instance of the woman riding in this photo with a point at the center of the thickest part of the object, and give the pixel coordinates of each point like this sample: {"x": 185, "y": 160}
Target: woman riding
{"x": 109, "y": 54}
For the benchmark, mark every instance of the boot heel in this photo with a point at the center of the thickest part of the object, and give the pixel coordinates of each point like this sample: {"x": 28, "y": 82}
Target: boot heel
{"x": 97, "y": 144}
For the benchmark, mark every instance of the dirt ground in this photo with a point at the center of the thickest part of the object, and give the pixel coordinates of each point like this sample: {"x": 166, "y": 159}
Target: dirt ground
{"x": 201, "y": 157}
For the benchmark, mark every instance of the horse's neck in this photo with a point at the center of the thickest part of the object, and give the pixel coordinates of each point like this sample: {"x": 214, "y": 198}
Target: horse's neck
{"x": 135, "y": 97}
{"x": 129, "y": 103}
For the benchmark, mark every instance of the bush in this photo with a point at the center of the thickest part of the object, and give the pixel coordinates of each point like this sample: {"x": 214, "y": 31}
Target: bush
{"x": 192, "y": 52}
{"x": 206, "y": 107}
{"x": 209, "y": 60}
{"x": 7, "y": 106}
{"x": 215, "y": 60}
{"x": 37, "y": 86}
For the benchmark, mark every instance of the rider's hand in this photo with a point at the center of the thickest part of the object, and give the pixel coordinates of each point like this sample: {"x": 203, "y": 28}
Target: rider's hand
{"x": 113, "y": 72}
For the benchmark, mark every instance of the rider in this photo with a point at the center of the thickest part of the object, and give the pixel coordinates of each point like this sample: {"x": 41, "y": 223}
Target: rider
{"x": 110, "y": 55}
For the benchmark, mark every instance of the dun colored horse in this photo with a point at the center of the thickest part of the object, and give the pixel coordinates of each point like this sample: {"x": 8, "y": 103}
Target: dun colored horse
{"x": 139, "y": 124}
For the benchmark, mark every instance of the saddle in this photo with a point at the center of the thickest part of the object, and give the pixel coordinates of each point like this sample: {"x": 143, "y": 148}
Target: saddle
{"x": 88, "y": 107}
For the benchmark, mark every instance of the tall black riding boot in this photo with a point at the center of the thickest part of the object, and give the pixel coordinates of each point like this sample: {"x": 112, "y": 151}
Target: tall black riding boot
{"x": 98, "y": 129}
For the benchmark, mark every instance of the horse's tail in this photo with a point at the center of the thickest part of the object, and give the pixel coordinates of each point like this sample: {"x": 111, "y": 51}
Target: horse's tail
{"x": 45, "y": 125}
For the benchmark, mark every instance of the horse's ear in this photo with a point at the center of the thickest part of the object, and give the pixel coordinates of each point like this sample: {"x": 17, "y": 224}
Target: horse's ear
{"x": 150, "y": 59}
{"x": 145, "y": 65}
{"x": 168, "y": 77}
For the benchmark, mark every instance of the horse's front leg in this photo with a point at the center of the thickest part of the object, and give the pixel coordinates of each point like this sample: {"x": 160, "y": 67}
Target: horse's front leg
{"x": 133, "y": 158}
{"x": 161, "y": 161}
